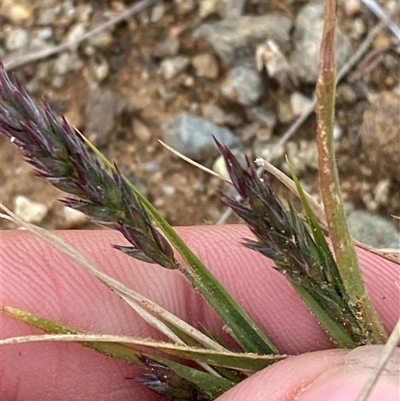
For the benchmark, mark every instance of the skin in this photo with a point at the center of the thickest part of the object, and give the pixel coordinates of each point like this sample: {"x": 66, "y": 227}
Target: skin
{"x": 36, "y": 278}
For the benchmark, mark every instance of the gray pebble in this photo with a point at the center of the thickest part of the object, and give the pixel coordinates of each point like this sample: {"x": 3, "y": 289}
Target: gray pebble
{"x": 102, "y": 108}
{"x": 262, "y": 115}
{"x": 185, "y": 6}
{"x": 47, "y": 16}
{"x": 168, "y": 190}
{"x": 304, "y": 60}
{"x": 373, "y": 230}
{"x": 174, "y": 66}
{"x": 218, "y": 116}
{"x": 192, "y": 136}
{"x": 267, "y": 150}
{"x": 264, "y": 120}
{"x": 243, "y": 85}
{"x": 151, "y": 167}
{"x": 17, "y": 39}
{"x": 235, "y": 39}
{"x": 302, "y": 154}
{"x": 157, "y": 12}
{"x": 231, "y": 8}
{"x": 167, "y": 48}
{"x": 66, "y": 62}
{"x": 300, "y": 104}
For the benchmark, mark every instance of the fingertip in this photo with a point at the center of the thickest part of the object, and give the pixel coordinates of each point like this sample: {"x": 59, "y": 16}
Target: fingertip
{"x": 286, "y": 379}
{"x": 333, "y": 375}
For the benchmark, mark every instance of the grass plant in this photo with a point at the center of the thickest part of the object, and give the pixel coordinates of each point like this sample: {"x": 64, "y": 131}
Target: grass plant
{"x": 329, "y": 283}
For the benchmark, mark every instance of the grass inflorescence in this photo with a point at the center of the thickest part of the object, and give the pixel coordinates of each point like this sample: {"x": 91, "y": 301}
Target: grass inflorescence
{"x": 298, "y": 247}
{"x": 61, "y": 157}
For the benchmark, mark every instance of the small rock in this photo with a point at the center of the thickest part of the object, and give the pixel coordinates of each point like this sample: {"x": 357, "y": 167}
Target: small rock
{"x": 75, "y": 33}
{"x": 207, "y": 7}
{"x": 205, "y": 65}
{"x": 235, "y": 39}
{"x": 100, "y": 68}
{"x": 73, "y": 218}
{"x": 17, "y": 39}
{"x": 373, "y": 230}
{"x": 380, "y": 135}
{"x": 219, "y": 165}
{"x": 218, "y": 116}
{"x": 167, "y": 48}
{"x": 352, "y": 7}
{"x": 151, "y": 167}
{"x": 168, "y": 190}
{"x": 231, "y": 8}
{"x": 358, "y": 28}
{"x": 243, "y": 85}
{"x": 66, "y": 62}
{"x": 166, "y": 93}
{"x": 102, "y": 107}
{"x": 382, "y": 41}
{"x": 302, "y": 155}
{"x": 300, "y": 103}
{"x": 192, "y": 136}
{"x": 381, "y": 192}
{"x": 37, "y": 44}
{"x": 268, "y": 150}
{"x": 157, "y": 12}
{"x": 266, "y": 120}
{"x": 83, "y": 12}
{"x": 17, "y": 11}
{"x": 47, "y": 16}
{"x": 30, "y": 211}
{"x": 141, "y": 131}
{"x": 337, "y": 132}
{"x": 262, "y": 115}
{"x": 174, "y": 66}
{"x": 285, "y": 111}
{"x": 45, "y": 33}
{"x": 185, "y": 6}
{"x": 304, "y": 60}
{"x": 102, "y": 40}
{"x": 346, "y": 94}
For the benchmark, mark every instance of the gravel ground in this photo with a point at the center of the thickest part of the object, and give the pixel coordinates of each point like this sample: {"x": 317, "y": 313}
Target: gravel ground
{"x": 183, "y": 70}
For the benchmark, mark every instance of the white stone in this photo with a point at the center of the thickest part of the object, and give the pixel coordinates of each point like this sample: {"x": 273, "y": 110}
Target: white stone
{"x": 300, "y": 103}
{"x": 73, "y": 218}
{"x": 30, "y": 211}
{"x": 17, "y": 39}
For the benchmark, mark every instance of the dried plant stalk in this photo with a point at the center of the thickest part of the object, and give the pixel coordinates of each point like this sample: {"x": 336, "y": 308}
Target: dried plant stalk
{"x": 338, "y": 231}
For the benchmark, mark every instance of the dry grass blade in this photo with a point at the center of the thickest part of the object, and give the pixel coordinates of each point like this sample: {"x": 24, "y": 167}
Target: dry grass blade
{"x": 387, "y": 352}
{"x": 240, "y": 361}
{"x": 384, "y": 17}
{"x": 73, "y": 254}
{"x": 193, "y": 163}
{"x": 339, "y": 234}
{"x": 282, "y": 177}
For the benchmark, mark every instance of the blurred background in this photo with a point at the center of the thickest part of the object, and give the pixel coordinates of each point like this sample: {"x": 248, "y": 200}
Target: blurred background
{"x": 181, "y": 70}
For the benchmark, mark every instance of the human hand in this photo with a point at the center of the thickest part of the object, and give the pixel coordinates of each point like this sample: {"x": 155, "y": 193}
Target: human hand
{"x": 37, "y": 278}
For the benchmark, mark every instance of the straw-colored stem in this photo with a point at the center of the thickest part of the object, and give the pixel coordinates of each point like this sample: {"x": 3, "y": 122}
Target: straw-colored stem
{"x": 342, "y": 244}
